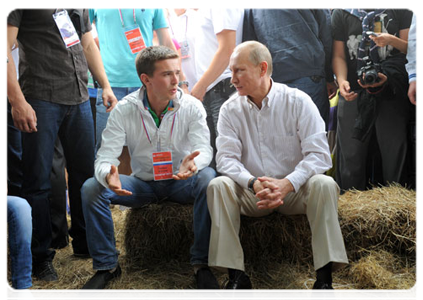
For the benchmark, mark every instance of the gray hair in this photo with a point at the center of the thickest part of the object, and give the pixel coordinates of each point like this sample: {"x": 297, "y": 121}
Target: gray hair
{"x": 258, "y": 53}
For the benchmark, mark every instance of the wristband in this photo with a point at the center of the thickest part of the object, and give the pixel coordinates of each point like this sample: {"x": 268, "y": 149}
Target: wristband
{"x": 251, "y": 185}
{"x": 182, "y": 83}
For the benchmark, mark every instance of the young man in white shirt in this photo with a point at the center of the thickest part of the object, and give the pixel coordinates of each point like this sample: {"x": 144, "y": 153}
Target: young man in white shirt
{"x": 169, "y": 144}
{"x": 272, "y": 150}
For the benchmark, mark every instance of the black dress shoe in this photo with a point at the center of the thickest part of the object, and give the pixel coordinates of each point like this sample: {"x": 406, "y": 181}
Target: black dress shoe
{"x": 101, "y": 278}
{"x": 45, "y": 271}
{"x": 322, "y": 291}
{"x": 205, "y": 279}
{"x": 238, "y": 280}
{"x": 81, "y": 255}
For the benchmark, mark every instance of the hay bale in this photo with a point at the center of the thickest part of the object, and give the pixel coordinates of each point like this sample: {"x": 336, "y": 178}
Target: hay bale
{"x": 382, "y": 270}
{"x": 158, "y": 232}
{"x": 381, "y": 218}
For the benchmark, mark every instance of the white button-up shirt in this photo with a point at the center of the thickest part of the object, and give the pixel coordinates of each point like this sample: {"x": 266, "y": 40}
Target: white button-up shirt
{"x": 286, "y": 138}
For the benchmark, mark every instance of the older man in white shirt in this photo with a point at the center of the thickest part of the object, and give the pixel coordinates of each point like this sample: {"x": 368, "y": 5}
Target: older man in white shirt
{"x": 272, "y": 151}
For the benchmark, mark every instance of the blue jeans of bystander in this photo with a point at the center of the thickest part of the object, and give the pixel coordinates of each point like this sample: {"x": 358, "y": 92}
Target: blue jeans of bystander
{"x": 74, "y": 125}
{"x": 19, "y": 234}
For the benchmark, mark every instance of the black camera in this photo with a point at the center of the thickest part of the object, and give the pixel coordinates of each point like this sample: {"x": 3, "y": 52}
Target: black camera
{"x": 368, "y": 73}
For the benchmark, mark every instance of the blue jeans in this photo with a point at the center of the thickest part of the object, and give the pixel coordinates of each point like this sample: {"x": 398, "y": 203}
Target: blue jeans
{"x": 74, "y": 126}
{"x": 100, "y": 232}
{"x": 102, "y": 115}
{"x": 20, "y": 232}
{"x": 315, "y": 87}
{"x": 213, "y": 100}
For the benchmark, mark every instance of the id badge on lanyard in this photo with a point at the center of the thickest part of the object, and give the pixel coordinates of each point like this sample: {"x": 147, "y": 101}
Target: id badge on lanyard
{"x": 162, "y": 165}
{"x": 162, "y": 160}
{"x": 67, "y": 30}
{"x": 184, "y": 49}
{"x": 133, "y": 35}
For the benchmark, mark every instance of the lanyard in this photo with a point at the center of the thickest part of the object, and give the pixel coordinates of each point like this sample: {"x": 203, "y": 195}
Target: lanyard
{"x": 186, "y": 25}
{"x": 146, "y": 131}
{"x": 121, "y": 17}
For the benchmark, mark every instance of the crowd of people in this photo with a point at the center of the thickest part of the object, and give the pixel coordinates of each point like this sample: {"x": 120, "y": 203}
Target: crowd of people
{"x": 227, "y": 109}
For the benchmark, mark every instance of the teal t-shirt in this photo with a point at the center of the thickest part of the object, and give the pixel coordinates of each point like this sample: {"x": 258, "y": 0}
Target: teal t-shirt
{"x": 118, "y": 60}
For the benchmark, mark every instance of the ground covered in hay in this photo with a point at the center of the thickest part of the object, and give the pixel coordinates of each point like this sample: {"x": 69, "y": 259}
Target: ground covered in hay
{"x": 378, "y": 226}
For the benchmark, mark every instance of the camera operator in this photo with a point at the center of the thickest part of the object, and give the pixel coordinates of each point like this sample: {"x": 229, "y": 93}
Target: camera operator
{"x": 369, "y": 49}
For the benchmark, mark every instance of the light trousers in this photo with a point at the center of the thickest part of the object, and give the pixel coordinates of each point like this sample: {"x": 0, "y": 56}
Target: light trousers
{"x": 317, "y": 198}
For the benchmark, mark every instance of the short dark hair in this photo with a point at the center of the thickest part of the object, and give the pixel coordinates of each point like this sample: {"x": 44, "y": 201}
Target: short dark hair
{"x": 146, "y": 59}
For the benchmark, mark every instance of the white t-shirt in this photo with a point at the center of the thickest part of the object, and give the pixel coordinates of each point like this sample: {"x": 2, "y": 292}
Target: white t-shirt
{"x": 212, "y": 22}
{"x": 183, "y": 29}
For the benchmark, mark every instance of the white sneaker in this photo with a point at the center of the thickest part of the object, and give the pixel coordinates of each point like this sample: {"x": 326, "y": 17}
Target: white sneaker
{"x": 22, "y": 295}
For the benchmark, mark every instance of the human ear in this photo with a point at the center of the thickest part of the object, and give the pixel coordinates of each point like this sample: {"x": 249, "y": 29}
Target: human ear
{"x": 263, "y": 68}
{"x": 144, "y": 78}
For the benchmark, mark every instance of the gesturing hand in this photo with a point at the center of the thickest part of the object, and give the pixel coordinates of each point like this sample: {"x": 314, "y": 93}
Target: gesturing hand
{"x": 188, "y": 167}
{"x": 114, "y": 182}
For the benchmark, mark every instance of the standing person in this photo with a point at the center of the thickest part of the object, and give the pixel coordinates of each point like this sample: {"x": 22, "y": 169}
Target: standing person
{"x": 169, "y": 142}
{"x": 57, "y": 198}
{"x": 411, "y": 61}
{"x": 183, "y": 25}
{"x": 272, "y": 152}
{"x": 50, "y": 100}
{"x": 219, "y": 31}
{"x": 300, "y": 40}
{"x": 381, "y": 107}
{"x": 122, "y": 33}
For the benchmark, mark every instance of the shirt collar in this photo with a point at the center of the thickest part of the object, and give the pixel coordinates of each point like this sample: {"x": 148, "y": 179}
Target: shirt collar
{"x": 146, "y": 103}
{"x": 267, "y": 101}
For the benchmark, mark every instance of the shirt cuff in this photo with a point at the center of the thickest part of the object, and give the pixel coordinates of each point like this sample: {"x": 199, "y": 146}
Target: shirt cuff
{"x": 295, "y": 180}
{"x": 243, "y": 179}
{"x": 412, "y": 77}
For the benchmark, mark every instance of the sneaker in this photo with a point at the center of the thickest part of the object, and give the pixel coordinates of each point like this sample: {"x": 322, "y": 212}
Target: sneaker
{"x": 21, "y": 295}
{"x": 205, "y": 279}
{"x": 45, "y": 271}
{"x": 101, "y": 278}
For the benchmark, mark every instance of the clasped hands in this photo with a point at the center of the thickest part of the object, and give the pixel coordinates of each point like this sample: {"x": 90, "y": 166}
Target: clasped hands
{"x": 271, "y": 191}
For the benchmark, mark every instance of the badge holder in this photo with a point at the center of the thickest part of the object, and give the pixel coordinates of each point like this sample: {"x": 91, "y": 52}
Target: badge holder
{"x": 134, "y": 37}
{"x": 67, "y": 30}
{"x": 162, "y": 165}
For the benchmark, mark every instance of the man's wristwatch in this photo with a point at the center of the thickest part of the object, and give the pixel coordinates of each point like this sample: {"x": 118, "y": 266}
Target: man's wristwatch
{"x": 181, "y": 83}
{"x": 251, "y": 185}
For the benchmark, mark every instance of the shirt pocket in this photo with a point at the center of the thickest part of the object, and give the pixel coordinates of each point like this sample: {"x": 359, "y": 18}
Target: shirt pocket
{"x": 287, "y": 148}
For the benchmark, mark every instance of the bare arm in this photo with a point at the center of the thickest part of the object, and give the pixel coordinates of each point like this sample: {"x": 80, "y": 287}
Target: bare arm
{"x": 95, "y": 64}
{"x": 24, "y": 116}
{"x": 399, "y": 43}
{"x": 340, "y": 69}
{"x": 227, "y": 42}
